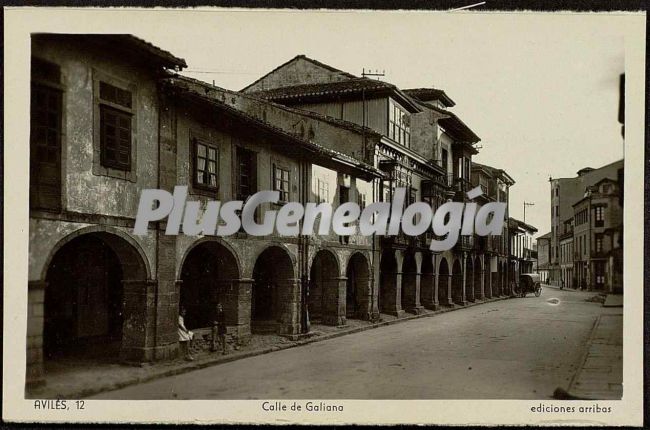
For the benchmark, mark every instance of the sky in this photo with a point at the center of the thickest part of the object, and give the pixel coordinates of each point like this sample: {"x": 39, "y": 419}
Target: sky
{"x": 541, "y": 90}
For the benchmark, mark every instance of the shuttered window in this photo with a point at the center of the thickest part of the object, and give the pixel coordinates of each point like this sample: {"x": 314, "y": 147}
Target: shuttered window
{"x": 115, "y": 131}
{"x": 45, "y": 136}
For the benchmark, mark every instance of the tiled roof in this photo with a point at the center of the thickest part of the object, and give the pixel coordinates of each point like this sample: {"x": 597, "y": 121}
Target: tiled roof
{"x": 306, "y": 58}
{"x": 348, "y": 86}
{"x": 493, "y": 170}
{"x": 306, "y": 144}
{"x": 153, "y": 49}
{"x": 426, "y": 94}
{"x": 126, "y": 42}
{"x": 351, "y": 126}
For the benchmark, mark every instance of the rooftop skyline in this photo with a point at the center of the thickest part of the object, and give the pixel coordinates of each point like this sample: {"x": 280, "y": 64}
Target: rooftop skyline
{"x": 540, "y": 90}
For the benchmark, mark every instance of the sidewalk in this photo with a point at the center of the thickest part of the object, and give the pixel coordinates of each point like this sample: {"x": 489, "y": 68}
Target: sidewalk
{"x": 600, "y": 375}
{"x": 74, "y": 380}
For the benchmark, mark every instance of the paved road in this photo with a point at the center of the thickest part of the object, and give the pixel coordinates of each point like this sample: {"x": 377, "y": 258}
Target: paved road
{"x": 512, "y": 349}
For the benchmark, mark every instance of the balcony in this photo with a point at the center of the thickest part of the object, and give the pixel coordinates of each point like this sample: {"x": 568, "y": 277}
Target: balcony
{"x": 464, "y": 243}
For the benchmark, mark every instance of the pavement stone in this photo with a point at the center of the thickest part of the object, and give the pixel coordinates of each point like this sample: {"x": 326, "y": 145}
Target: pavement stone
{"x": 600, "y": 376}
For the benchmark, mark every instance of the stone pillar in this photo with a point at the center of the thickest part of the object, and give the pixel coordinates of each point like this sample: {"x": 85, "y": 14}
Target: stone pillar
{"x": 417, "y": 307}
{"x": 34, "y": 376}
{"x": 450, "y": 290}
{"x": 429, "y": 291}
{"x": 392, "y": 300}
{"x": 139, "y": 321}
{"x": 334, "y": 301}
{"x": 364, "y": 294}
{"x": 237, "y": 308}
{"x": 482, "y": 275}
{"x": 464, "y": 283}
{"x": 289, "y": 301}
{"x": 374, "y": 282}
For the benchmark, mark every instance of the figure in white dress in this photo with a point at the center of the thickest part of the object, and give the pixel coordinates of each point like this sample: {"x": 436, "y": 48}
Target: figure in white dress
{"x": 185, "y": 336}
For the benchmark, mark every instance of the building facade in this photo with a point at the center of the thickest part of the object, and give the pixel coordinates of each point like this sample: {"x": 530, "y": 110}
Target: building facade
{"x": 544, "y": 256}
{"x": 109, "y": 123}
{"x": 523, "y": 256}
{"x": 598, "y": 217}
{"x": 424, "y": 148}
{"x": 564, "y": 193}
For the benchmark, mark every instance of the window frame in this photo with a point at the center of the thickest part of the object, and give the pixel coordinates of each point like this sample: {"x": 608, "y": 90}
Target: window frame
{"x": 274, "y": 178}
{"x": 52, "y": 84}
{"x": 100, "y": 168}
{"x": 195, "y": 141}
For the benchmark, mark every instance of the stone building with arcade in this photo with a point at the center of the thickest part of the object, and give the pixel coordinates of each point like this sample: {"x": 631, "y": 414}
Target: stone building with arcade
{"x": 424, "y": 147}
{"x": 111, "y": 116}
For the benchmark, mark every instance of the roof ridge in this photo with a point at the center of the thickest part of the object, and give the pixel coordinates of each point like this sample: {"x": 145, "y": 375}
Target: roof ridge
{"x": 301, "y": 56}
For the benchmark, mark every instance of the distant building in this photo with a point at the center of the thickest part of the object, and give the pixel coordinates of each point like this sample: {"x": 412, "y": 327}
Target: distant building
{"x": 544, "y": 256}
{"x": 522, "y": 253}
{"x": 564, "y": 193}
{"x": 566, "y": 254}
{"x": 597, "y": 235}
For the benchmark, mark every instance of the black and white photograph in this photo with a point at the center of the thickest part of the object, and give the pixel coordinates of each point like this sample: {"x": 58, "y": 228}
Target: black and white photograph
{"x": 447, "y": 220}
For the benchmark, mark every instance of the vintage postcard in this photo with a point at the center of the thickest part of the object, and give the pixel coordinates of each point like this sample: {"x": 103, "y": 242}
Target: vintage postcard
{"x": 226, "y": 216}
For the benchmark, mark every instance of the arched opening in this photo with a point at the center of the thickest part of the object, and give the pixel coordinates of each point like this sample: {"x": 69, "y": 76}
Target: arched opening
{"x": 409, "y": 289}
{"x": 443, "y": 282}
{"x": 457, "y": 283}
{"x": 83, "y": 303}
{"x": 272, "y": 273}
{"x": 357, "y": 288}
{"x": 469, "y": 278}
{"x": 207, "y": 277}
{"x": 324, "y": 288}
{"x": 478, "y": 276}
{"x": 388, "y": 282}
{"x": 426, "y": 282}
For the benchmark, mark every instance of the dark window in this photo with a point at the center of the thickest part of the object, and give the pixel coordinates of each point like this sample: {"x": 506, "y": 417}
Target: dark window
{"x": 45, "y": 146}
{"x": 599, "y": 216}
{"x": 206, "y": 162}
{"x": 281, "y": 182}
{"x": 445, "y": 159}
{"x": 398, "y": 124}
{"x": 322, "y": 191}
{"x": 467, "y": 169}
{"x": 599, "y": 243}
{"x": 115, "y": 126}
{"x": 246, "y": 171}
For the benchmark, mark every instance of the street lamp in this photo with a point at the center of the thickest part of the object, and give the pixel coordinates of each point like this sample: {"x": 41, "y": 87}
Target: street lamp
{"x": 527, "y": 204}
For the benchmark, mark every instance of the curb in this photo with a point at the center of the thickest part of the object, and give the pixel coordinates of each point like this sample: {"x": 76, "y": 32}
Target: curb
{"x": 562, "y": 394}
{"x": 238, "y": 356}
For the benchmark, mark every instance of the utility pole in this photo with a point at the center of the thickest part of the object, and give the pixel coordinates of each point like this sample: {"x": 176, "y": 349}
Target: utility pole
{"x": 527, "y": 204}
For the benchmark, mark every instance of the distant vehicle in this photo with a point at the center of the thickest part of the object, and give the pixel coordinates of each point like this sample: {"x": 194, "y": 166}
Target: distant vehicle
{"x": 529, "y": 283}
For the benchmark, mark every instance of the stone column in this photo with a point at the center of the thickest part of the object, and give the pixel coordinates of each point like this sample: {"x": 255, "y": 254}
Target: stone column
{"x": 139, "y": 321}
{"x": 392, "y": 300}
{"x": 34, "y": 376}
{"x": 364, "y": 293}
{"x": 237, "y": 308}
{"x": 464, "y": 272}
{"x": 374, "y": 282}
{"x": 334, "y": 301}
{"x": 450, "y": 290}
{"x": 482, "y": 275}
{"x": 289, "y": 301}
{"x": 417, "y": 307}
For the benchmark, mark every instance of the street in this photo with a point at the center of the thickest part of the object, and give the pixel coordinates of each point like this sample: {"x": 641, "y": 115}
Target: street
{"x": 510, "y": 349}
